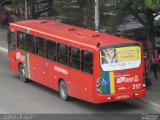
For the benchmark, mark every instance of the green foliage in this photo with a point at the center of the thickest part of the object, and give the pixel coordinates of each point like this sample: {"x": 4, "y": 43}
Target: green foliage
{"x": 112, "y": 12}
{"x": 153, "y": 4}
{"x": 77, "y": 13}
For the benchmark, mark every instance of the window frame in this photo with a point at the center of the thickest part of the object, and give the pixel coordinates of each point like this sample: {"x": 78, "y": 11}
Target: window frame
{"x": 71, "y": 58}
{"x": 64, "y": 54}
{"x": 44, "y": 47}
{"x": 18, "y": 41}
{"x": 10, "y": 46}
{"x": 87, "y": 62}
{"x": 55, "y": 57}
{"x": 30, "y": 44}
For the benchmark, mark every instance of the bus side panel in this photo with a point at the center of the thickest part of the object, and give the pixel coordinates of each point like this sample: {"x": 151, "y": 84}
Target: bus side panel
{"x": 81, "y": 84}
{"x": 39, "y": 70}
{"x": 59, "y": 72}
{"x": 51, "y": 79}
{"x": 40, "y": 67}
{"x": 12, "y": 62}
{"x": 16, "y": 57}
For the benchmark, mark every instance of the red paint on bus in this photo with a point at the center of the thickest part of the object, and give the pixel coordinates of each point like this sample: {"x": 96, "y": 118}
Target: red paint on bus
{"x": 84, "y": 79}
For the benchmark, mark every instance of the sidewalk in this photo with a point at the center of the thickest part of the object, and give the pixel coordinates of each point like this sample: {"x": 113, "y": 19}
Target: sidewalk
{"x": 3, "y": 37}
{"x": 153, "y": 92}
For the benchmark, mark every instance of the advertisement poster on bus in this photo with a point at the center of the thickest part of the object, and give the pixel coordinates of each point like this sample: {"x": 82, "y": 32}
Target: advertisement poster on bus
{"x": 121, "y": 58}
{"x": 115, "y": 65}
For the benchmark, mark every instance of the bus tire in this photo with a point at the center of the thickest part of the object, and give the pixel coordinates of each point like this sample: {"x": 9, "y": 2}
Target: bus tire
{"x": 63, "y": 91}
{"x": 22, "y": 75}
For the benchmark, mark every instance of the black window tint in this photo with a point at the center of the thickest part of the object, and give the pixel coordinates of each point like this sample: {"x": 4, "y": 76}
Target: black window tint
{"x": 87, "y": 62}
{"x": 21, "y": 43}
{"x": 62, "y": 54}
{"x": 30, "y": 44}
{"x": 40, "y": 49}
{"x": 51, "y": 50}
{"x": 11, "y": 41}
{"x": 74, "y": 61}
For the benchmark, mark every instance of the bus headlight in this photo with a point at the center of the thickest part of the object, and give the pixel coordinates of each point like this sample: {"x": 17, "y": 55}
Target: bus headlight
{"x": 144, "y": 85}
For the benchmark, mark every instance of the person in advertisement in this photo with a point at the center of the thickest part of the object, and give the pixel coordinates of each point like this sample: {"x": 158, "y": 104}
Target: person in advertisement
{"x": 155, "y": 63}
{"x": 109, "y": 56}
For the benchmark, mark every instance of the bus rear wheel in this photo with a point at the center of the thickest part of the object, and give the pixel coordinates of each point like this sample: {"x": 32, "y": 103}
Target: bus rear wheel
{"x": 63, "y": 91}
{"x": 22, "y": 74}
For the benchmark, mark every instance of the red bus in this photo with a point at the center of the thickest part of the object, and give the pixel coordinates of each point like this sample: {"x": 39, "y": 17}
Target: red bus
{"x": 77, "y": 62}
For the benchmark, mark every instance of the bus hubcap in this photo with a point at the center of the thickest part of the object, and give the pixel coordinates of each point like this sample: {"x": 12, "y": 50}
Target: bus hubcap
{"x": 22, "y": 73}
{"x": 63, "y": 91}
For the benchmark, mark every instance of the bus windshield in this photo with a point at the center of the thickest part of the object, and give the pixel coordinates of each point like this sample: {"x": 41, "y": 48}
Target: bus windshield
{"x": 120, "y": 58}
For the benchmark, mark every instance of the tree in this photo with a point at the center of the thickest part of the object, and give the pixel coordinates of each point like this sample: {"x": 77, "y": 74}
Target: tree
{"x": 149, "y": 8}
{"x": 153, "y": 4}
{"x": 72, "y": 11}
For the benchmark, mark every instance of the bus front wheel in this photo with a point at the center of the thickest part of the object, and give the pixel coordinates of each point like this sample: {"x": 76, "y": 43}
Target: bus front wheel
{"x": 63, "y": 91}
{"x": 22, "y": 75}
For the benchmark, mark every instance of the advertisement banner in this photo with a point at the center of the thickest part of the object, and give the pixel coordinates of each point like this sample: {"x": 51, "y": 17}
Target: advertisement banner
{"x": 120, "y": 58}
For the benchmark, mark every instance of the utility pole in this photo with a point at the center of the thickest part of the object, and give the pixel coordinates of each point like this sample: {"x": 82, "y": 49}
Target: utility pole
{"x": 97, "y": 15}
{"x": 26, "y": 10}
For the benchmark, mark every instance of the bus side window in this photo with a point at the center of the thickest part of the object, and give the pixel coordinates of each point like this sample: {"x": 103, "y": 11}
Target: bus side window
{"x": 62, "y": 54}
{"x": 40, "y": 48}
{"x": 74, "y": 60}
{"x": 21, "y": 41}
{"x": 87, "y": 61}
{"x": 30, "y": 44}
{"x": 11, "y": 41}
{"x": 51, "y": 50}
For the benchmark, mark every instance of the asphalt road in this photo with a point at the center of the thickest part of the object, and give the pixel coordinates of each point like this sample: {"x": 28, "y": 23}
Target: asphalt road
{"x": 19, "y": 97}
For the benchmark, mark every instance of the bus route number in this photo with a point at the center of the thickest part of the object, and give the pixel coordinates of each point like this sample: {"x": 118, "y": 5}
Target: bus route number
{"x": 136, "y": 86}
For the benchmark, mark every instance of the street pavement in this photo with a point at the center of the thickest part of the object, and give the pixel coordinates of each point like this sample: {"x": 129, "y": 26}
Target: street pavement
{"x": 17, "y": 97}
{"x": 3, "y": 37}
{"x": 153, "y": 93}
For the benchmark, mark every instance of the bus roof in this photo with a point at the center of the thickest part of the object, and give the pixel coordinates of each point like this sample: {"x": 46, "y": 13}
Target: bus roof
{"x": 72, "y": 33}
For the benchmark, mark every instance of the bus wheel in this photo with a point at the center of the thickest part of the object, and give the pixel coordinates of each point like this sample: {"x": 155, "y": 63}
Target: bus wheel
{"x": 63, "y": 91}
{"x": 22, "y": 74}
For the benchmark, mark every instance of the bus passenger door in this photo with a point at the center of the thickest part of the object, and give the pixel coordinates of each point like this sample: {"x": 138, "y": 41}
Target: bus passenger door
{"x": 12, "y": 52}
